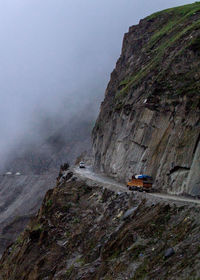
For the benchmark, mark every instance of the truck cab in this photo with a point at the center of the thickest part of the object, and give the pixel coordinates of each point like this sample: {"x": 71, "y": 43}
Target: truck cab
{"x": 140, "y": 183}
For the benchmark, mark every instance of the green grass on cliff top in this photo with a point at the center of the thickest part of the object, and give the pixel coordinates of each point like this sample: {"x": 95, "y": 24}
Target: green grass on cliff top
{"x": 170, "y": 33}
{"x": 188, "y": 9}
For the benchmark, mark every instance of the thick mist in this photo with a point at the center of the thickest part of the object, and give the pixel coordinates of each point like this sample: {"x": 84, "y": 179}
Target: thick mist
{"x": 55, "y": 61}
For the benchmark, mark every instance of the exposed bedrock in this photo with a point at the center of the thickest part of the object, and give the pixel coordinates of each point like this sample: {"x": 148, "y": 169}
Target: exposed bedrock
{"x": 149, "y": 119}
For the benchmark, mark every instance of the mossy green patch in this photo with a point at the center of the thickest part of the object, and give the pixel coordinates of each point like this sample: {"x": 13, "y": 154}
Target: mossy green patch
{"x": 19, "y": 240}
{"x": 80, "y": 261}
{"x": 160, "y": 42}
{"x": 69, "y": 271}
{"x": 75, "y": 220}
{"x": 125, "y": 81}
{"x": 67, "y": 234}
{"x": 49, "y": 203}
{"x": 38, "y": 227}
{"x": 179, "y": 11}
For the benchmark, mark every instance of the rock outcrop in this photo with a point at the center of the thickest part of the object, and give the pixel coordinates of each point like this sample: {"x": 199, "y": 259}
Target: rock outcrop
{"x": 149, "y": 121}
{"x": 84, "y": 232}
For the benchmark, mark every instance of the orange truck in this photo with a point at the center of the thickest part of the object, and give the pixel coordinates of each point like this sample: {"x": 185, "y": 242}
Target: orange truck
{"x": 140, "y": 183}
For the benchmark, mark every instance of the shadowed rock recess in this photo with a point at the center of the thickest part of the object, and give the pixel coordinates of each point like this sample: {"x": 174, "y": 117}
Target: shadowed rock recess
{"x": 149, "y": 119}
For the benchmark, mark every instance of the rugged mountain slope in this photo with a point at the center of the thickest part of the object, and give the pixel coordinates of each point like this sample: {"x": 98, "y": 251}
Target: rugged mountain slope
{"x": 149, "y": 122}
{"x": 149, "y": 119}
{"x": 83, "y": 232}
{"x": 20, "y": 198}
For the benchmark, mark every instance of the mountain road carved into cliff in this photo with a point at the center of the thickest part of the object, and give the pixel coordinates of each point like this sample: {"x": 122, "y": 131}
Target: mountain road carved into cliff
{"x": 99, "y": 179}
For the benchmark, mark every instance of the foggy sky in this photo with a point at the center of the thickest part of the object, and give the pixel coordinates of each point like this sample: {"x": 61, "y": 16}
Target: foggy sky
{"x": 56, "y": 56}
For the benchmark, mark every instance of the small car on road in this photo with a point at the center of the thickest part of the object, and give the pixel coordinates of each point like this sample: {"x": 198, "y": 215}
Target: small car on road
{"x": 82, "y": 164}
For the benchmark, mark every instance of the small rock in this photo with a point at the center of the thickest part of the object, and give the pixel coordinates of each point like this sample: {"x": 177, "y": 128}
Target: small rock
{"x": 67, "y": 175}
{"x": 120, "y": 214}
{"x": 129, "y": 212}
{"x": 169, "y": 252}
{"x": 74, "y": 179}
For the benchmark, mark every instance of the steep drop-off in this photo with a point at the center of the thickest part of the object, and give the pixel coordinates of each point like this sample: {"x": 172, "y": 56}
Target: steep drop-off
{"x": 91, "y": 233}
{"x": 149, "y": 121}
{"x": 20, "y": 198}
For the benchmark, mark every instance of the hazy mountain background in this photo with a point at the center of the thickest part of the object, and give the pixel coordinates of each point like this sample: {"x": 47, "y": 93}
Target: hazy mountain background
{"x": 55, "y": 61}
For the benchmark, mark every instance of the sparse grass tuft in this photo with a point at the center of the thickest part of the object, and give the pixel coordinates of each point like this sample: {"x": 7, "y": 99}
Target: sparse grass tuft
{"x": 171, "y": 33}
{"x": 49, "y": 203}
{"x": 179, "y": 11}
{"x": 69, "y": 271}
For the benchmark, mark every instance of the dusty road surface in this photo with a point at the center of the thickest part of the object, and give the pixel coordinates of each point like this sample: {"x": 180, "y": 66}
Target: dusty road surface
{"x": 98, "y": 178}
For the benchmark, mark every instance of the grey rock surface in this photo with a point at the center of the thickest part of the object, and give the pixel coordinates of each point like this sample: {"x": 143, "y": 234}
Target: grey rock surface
{"x": 149, "y": 121}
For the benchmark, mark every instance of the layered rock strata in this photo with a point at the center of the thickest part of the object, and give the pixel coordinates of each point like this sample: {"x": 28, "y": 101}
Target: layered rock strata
{"x": 149, "y": 121}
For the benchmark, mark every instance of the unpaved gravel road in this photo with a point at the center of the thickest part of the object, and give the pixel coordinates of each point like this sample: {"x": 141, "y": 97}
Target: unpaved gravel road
{"x": 98, "y": 178}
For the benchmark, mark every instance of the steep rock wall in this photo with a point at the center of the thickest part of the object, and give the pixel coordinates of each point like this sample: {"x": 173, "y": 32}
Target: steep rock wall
{"x": 149, "y": 119}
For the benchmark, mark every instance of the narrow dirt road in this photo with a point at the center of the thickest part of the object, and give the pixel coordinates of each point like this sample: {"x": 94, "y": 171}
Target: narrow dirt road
{"x": 99, "y": 178}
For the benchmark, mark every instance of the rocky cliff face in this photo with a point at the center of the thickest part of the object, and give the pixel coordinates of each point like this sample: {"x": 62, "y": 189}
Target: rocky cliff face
{"x": 84, "y": 232}
{"x": 149, "y": 121}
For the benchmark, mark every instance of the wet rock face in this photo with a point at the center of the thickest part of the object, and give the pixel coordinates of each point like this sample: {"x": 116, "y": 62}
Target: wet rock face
{"x": 149, "y": 121}
{"x": 89, "y": 233}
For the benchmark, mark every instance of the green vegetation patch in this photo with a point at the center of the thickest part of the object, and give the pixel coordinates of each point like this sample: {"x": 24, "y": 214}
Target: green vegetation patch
{"x": 19, "y": 240}
{"x": 125, "y": 81}
{"x": 179, "y": 11}
{"x": 170, "y": 34}
{"x": 49, "y": 203}
{"x": 76, "y": 220}
{"x": 38, "y": 227}
{"x": 69, "y": 271}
